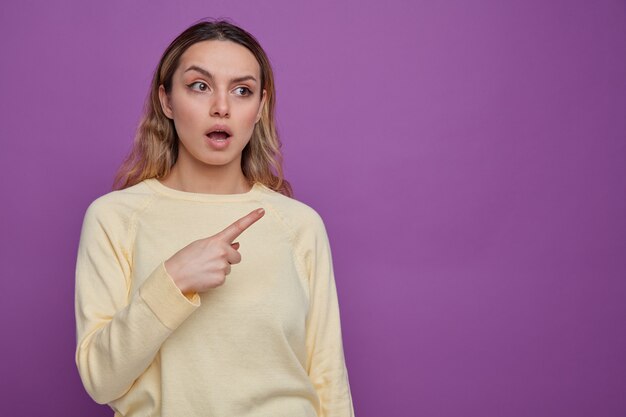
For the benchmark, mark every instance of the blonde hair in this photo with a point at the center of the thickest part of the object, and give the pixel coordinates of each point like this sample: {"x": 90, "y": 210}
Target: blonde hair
{"x": 155, "y": 147}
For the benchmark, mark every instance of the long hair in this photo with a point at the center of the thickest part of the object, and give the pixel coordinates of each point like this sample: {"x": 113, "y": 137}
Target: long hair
{"x": 155, "y": 147}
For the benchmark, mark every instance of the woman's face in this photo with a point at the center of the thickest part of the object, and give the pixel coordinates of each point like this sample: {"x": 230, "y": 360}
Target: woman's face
{"x": 215, "y": 101}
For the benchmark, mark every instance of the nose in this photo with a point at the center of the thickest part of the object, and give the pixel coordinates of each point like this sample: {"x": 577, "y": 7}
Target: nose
{"x": 219, "y": 105}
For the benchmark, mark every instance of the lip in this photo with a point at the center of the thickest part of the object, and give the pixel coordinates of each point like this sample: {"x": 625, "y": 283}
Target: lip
{"x": 222, "y": 128}
{"x": 218, "y": 145}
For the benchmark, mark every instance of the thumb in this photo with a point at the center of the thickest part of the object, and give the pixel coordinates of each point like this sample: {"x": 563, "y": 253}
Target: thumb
{"x": 235, "y": 245}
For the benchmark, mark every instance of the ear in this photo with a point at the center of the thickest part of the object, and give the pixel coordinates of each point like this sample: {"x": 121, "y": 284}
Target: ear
{"x": 261, "y": 106}
{"x": 165, "y": 102}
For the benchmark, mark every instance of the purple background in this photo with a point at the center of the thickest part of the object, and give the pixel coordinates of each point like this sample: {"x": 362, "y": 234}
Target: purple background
{"x": 468, "y": 159}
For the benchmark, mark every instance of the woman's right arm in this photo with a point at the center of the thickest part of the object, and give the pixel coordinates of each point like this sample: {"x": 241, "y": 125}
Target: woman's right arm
{"x": 118, "y": 335}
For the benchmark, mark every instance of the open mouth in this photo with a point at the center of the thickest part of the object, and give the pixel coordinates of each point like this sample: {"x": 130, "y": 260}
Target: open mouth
{"x": 218, "y": 135}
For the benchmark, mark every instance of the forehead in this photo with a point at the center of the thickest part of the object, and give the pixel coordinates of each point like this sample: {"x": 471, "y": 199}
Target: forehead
{"x": 220, "y": 58}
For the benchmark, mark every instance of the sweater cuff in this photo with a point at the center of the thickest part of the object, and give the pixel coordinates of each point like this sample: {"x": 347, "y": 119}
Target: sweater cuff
{"x": 166, "y": 300}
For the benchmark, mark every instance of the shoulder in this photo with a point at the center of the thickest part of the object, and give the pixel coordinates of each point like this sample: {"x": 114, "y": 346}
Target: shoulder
{"x": 306, "y": 227}
{"x": 298, "y": 216}
{"x": 119, "y": 206}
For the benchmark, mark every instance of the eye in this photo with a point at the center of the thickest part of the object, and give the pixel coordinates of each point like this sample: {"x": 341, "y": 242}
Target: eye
{"x": 243, "y": 91}
{"x": 201, "y": 85}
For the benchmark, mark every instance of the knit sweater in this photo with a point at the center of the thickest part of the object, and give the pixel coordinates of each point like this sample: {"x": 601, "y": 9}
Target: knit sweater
{"x": 267, "y": 342}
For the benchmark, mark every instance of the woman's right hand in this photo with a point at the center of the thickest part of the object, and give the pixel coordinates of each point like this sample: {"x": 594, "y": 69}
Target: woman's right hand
{"x": 204, "y": 263}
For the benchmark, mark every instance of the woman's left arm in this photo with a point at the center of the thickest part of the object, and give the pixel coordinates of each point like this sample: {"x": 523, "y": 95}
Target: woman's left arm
{"x": 326, "y": 362}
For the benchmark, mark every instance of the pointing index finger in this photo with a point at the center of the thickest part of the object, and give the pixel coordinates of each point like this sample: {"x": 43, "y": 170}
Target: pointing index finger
{"x": 231, "y": 232}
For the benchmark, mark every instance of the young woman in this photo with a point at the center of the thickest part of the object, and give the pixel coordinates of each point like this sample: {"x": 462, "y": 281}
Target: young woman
{"x": 202, "y": 287}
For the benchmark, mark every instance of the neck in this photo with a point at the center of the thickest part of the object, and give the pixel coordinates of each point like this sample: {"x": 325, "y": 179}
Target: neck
{"x": 207, "y": 179}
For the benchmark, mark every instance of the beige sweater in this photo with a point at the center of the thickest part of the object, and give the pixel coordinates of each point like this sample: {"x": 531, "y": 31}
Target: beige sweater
{"x": 266, "y": 343}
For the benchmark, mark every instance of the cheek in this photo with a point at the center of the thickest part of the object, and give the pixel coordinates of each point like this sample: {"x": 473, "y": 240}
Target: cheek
{"x": 185, "y": 111}
{"x": 250, "y": 114}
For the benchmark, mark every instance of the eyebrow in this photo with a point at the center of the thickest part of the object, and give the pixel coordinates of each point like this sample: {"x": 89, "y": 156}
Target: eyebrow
{"x": 209, "y": 75}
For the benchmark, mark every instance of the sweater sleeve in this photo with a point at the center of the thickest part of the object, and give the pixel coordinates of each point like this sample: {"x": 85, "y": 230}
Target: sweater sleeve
{"x": 326, "y": 362}
{"x": 119, "y": 335}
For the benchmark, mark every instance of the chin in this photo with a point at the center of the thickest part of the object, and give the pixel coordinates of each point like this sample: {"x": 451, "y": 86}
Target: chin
{"x": 216, "y": 161}
{"x": 212, "y": 157}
